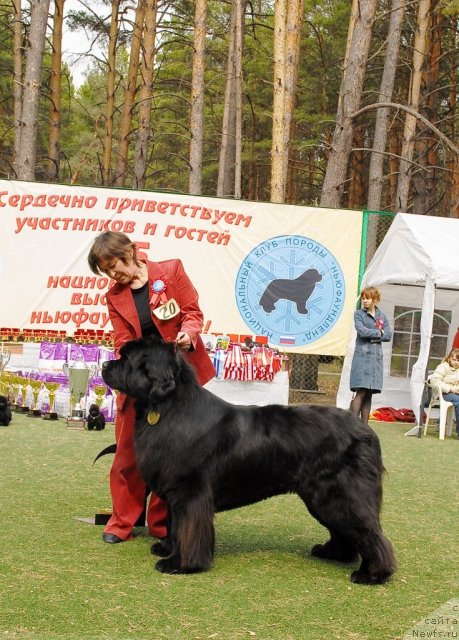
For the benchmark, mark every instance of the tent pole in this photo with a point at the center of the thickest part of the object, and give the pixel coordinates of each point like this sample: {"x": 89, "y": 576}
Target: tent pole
{"x": 420, "y": 367}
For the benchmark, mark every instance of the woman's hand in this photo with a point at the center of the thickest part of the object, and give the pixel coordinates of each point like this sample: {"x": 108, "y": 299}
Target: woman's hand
{"x": 183, "y": 341}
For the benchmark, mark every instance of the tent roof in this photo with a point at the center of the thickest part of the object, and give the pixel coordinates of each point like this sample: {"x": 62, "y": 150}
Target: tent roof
{"x": 416, "y": 247}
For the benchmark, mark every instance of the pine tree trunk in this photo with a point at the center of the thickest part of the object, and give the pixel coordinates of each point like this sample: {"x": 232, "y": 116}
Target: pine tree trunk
{"x": 349, "y": 102}
{"x": 394, "y": 153}
{"x": 278, "y": 138}
{"x": 110, "y": 96}
{"x": 225, "y": 179}
{"x": 32, "y": 83}
{"x": 146, "y": 95}
{"x": 17, "y": 78}
{"x": 433, "y": 109}
{"x": 386, "y": 89}
{"x": 129, "y": 96}
{"x": 425, "y": 197}
{"x": 54, "y": 141}
{"x": 451, "y": 206}
{"x": 288, "y": 24}
{"x": 292, "y": 49}
{"x": 197, "y": 98}
{"x": 238, "y": 96}
{"x": 227, "y": 160}
{"x": 419, "y": 53}
{"x": 454, "y": 197}
{"x": 355, "y": 200}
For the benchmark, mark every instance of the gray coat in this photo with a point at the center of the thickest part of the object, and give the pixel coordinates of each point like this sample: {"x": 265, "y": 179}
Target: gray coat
{"x": 367, "y": 363}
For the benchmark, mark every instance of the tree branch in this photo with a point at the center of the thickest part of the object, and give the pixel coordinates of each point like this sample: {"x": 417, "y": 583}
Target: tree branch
{"x": 413, "y": 112}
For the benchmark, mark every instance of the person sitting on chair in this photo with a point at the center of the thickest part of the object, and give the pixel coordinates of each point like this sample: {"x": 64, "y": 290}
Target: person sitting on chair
{"x": 446, "y": 375}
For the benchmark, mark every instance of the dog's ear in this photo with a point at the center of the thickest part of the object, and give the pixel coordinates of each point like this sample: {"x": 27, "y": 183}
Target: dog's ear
{"x": 161, "y": 388}
{"x": 161, "y": 367}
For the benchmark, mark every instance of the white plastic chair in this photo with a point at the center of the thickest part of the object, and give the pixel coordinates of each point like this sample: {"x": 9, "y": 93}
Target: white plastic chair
{"x": 437, "y": 400}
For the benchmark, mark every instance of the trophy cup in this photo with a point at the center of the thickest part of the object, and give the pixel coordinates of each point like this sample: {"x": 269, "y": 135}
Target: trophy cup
{"x": 14, "y": 383}
{"x": 78, "y": 374}
{"x": 100, "y": 390}
{"x": 36, "y": 386}
{"x": 23, "y": 383}
{"x": 4, "y": 383}
{"x": 52, "y": 387}
{"x": 5, "y": 355}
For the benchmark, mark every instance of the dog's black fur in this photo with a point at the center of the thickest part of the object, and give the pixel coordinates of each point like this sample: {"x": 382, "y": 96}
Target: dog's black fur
{"x": 95, "y": 419}
{"x": 5, "y": 411}
{"x": 205, "y": 455}
{"x": 297, "y": 290}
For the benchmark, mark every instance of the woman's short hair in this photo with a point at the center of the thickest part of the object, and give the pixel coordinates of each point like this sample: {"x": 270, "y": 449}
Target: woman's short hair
{"x": 371, "y": 292}
{"x": 110, "y": 245}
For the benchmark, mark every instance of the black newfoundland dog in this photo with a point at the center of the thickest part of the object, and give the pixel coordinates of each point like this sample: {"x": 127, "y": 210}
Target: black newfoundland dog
{"x": 96, "y": 419}
{"x": 203, "y": 455}
{"x": 5, "y": 411}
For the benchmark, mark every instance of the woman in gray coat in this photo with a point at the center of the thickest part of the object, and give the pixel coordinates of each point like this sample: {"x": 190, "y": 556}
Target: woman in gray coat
{"x": 372, "y": 328}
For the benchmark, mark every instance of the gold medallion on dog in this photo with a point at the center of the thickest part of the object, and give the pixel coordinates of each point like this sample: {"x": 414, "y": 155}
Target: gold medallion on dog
{"x": 153, "y": 417}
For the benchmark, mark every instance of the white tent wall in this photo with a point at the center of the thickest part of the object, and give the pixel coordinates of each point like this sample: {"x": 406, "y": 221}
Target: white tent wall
{"x": 416, "y": 266}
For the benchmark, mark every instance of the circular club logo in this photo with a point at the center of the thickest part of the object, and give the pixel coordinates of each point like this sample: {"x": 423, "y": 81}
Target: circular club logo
{"x": 290, "y": 289}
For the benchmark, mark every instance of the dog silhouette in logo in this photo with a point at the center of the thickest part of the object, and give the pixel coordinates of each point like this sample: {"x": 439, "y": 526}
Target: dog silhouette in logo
{"x": 298, "y": 290}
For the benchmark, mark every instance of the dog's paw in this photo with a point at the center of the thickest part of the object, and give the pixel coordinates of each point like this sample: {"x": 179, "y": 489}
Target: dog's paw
{"x": 330, "y": 551}
{"x": 369, "y": 577}
{"x": 162, "y": 548}
{"x": 169, "y": 565}
{"x": 172, "y": 564}
{"x": 320, "y": 551}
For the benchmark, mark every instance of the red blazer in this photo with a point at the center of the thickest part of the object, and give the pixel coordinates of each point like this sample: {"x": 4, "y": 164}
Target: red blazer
{"x": 126, "y": 325}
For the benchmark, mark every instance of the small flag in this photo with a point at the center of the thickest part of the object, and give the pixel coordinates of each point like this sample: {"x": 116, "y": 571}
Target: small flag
{"x": 287, "y": 339}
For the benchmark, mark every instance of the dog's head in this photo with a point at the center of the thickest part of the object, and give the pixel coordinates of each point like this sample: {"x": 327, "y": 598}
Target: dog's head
{"x": 146, "y": 369}
{"x": 3, "y": 403}
{"x": 94, "y": 410}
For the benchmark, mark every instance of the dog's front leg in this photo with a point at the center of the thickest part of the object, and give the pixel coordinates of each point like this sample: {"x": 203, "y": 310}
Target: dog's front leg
{"x": 193, "y": 537}
{"x": 164, "y": 547}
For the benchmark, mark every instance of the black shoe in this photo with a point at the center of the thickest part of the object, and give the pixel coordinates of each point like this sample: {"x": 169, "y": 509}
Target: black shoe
{"x": 111, "y": 538}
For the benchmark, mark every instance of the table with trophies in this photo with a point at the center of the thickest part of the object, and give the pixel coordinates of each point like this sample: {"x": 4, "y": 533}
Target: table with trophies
{"x": 63, "y": 382}
{"x": 62, "y": 379}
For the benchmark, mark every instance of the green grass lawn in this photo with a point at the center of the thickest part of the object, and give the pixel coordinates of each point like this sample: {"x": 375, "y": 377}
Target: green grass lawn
{"x": 59, "y": 580}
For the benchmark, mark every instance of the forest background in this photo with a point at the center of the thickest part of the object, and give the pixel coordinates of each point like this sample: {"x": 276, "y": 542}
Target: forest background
{"x": 334, "y": 103}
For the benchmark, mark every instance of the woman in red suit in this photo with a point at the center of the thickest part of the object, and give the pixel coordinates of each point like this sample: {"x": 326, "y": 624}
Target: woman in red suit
{"x": 146, "y": 298}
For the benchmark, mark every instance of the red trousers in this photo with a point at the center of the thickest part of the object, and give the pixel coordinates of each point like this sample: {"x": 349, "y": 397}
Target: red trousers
{"x": 127, "y": 488}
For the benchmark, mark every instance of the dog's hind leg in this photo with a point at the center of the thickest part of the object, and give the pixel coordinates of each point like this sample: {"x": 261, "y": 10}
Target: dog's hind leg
{"x": 337, "y": 548}
{"x": 350, "y": 511}
{"x": 354, "y": 535}
{"x": 378, "y": 561}
{"x": 193, "y": 537}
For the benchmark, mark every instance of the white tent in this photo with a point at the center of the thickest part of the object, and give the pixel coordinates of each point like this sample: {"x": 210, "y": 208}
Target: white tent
{"x": 416, "y": 267}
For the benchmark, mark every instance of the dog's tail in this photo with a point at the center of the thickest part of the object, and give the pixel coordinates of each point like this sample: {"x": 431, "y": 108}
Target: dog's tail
{"x": 110, "y": 449}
